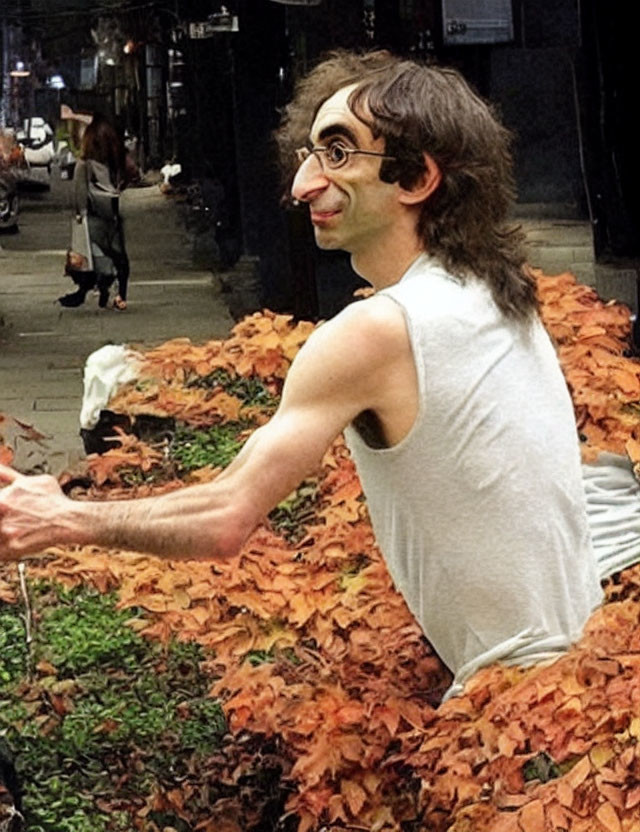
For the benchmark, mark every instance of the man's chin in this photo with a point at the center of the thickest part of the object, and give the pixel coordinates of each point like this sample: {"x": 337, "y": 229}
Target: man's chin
{"x": 326, "y": 241}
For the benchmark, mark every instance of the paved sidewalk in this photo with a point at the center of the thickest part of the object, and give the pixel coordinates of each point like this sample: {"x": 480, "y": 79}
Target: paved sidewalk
{"x": 44, "y": 347}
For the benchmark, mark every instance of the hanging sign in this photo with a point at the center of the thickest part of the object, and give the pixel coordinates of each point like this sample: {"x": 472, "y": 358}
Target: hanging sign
{"x": 216, "y": 23}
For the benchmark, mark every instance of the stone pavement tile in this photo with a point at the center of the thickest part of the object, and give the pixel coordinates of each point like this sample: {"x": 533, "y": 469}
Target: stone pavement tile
{"x": 47, "y": 351}
{"x": 23, "y": 404}
{"x": 46, "y": 420}
{"x": 550, "y": 234}
{"x": 33, "y": 373}
{"x": 57, "y": 404}
{"x": 555, "y": 254}
{"x": 55, "y": 363}
{"x": 31, "y": 386}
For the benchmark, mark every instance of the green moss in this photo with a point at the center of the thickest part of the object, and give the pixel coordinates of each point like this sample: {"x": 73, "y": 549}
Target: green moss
{"x": 216, "y": 446}
{"x": 121, "y": 716}
{"x": 84, "y": 630}
{"x": 13, "y": 645}
{"x": 204, "y": 726}
{"x": 252, "y": 391}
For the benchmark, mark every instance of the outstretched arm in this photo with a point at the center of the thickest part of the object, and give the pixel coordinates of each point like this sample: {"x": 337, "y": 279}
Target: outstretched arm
{"x": 340, "y": 372}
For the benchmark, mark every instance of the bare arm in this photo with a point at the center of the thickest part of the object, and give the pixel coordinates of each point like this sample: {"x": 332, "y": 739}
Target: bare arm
{"x": 340, "y": 372}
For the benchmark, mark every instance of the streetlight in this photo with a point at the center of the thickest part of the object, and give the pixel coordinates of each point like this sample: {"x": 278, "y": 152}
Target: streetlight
{"x": 20, "y": 70}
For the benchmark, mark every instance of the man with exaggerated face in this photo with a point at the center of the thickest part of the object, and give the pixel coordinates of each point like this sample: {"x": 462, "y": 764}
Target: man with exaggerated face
{"x": 476, "y": 498}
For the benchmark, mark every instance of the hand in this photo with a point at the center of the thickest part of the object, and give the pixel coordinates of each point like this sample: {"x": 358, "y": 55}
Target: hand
{"x": 31, "y": 513}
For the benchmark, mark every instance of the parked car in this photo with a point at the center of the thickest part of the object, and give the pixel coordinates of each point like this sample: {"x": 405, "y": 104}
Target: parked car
{"x": 36, "y": 139}
{"x": 8, "y": 202}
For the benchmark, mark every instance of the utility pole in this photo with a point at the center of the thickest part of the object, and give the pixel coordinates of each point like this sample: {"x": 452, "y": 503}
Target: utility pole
{"x": 5, "y": 89}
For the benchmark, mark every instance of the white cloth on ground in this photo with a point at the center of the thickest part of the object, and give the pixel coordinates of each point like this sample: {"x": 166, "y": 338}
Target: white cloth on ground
{"x": 105, "y": 370}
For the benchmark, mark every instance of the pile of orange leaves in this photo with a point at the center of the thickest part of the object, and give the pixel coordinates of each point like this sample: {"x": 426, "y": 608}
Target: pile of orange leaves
{"x": 351, "y": 687}
{"x": 592, "y": 341}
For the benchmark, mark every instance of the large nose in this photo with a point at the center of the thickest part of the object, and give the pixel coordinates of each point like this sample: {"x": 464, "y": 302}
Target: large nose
{"x": 310, "y": 180}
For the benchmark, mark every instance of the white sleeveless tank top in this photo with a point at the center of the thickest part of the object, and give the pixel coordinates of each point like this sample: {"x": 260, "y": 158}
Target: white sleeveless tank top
{"x": 479, "y": 511}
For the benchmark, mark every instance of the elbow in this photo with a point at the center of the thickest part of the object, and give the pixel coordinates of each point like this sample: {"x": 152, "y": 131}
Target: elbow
{"x": 227, "y": 545}
{"x": 226, "y": 540}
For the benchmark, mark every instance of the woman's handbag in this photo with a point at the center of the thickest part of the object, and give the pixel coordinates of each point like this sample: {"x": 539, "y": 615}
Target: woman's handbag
{"x": 79, "y": 256}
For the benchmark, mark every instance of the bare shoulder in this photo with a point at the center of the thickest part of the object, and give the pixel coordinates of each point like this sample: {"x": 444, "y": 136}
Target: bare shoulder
{"x": 353, "y": 355}
{"x": 368, "y": 330}
{"x": 376, "y": 311}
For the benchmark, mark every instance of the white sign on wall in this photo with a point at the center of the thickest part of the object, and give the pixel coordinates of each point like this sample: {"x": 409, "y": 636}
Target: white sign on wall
{"x": 211, "y": 27}
{"x": 477, "y": 21}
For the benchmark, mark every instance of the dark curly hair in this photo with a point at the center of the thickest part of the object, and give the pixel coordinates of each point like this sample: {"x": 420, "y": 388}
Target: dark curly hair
{"x": 339, "y": 69}
{"x": 421, "y": 109}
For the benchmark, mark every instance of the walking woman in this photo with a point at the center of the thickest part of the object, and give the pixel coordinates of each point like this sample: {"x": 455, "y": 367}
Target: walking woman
{"x": 99, "y": 178}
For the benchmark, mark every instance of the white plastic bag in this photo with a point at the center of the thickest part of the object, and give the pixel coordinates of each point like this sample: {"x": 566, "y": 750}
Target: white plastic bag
{"x": 106, "y": 369}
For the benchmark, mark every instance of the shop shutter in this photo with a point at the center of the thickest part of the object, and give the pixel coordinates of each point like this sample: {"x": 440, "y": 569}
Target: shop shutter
{"x": 477, "y": 21}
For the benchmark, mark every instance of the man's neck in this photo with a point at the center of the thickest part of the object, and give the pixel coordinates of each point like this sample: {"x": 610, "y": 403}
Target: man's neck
{"x": 383, "y": 269}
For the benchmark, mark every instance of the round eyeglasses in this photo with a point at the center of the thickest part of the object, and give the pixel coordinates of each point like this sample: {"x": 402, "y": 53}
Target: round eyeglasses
{"x": 335, "y": 156}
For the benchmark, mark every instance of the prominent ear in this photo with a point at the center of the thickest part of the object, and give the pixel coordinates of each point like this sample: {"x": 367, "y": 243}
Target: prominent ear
{"x": 425, "y": 184}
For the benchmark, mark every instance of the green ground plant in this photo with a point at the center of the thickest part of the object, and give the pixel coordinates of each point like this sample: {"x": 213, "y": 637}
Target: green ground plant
{"x": 105, "y": 718}
{"x": 252, "y": 390}
{"x": 193, "y": 448}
